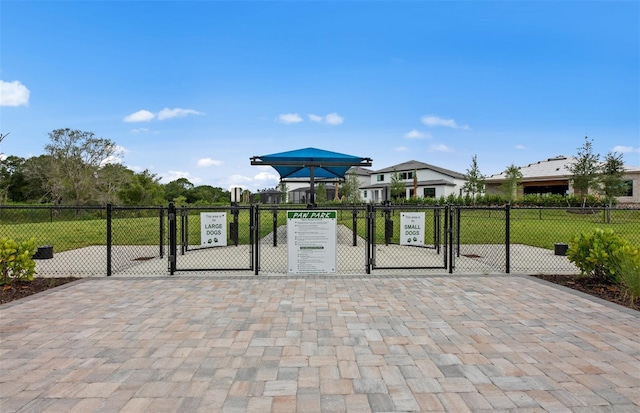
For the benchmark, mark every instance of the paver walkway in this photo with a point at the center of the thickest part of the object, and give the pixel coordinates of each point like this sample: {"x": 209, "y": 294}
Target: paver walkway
{"x": 318, "y": 344}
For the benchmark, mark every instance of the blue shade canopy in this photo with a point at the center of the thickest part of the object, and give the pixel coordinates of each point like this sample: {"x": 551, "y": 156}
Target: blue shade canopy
{"x": 310, "y": 163}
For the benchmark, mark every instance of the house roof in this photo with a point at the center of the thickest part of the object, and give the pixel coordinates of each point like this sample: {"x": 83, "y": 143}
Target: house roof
{"x": 416, "y": 165}
{"x": 358, "y": 170}
{"x": 556, "y": 167}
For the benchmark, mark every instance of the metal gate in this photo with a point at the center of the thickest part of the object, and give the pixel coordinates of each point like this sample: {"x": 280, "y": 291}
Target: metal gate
{"x": 388, "y": 250}
{"x": 211, "y": 238}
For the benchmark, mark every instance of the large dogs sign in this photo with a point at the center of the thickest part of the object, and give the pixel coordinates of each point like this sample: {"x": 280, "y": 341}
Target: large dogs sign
{"x": 213, "y": 229}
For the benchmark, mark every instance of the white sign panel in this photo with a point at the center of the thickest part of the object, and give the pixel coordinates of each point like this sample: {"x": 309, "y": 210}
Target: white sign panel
{"x": 311, "y": 242}
{"x": 213, "y": 229}
{"x": 412, "y": 228}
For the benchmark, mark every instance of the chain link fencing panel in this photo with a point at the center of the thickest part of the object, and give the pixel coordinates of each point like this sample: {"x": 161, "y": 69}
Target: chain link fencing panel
{"x": 71, "y": 241}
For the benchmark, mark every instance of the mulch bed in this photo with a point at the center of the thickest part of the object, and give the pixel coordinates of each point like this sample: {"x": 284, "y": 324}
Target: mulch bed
{"x": 607, "y": 292}
{"x": 611, "y": 293}
{"x": 22, "y": 289}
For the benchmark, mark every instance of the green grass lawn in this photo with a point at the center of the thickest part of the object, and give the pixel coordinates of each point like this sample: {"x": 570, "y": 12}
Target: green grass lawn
{"x": 541, "y": 228}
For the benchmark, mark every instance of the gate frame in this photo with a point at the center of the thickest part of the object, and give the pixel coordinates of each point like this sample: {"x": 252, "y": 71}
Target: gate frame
{"x": 386, "y": 209}
{"x": 184, "y": 211}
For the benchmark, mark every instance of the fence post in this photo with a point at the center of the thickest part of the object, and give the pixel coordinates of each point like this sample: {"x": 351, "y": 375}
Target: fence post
{"x": 184, "y": 230}
{"x": 436, "y": 229}
{"x": 371, "y": 215}
{"x": 173, "y": 247}
{"x": 255, "y": 230}
{"x": 275, "y": 227}
{"x": 508, "y": 237}
{"x": 161, "y": 213}
{"x": 109, "y": 239}
{"x": 355, "y": 227}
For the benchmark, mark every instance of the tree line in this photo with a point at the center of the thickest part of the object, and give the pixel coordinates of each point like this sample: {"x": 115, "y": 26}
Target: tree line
{"x": 77, "y": 169}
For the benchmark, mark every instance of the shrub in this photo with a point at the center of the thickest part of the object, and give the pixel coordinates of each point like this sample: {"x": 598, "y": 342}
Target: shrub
{"x": 16, "y": 260}
{"x": 627, "y": 264}
{"x": 595, "y": 254}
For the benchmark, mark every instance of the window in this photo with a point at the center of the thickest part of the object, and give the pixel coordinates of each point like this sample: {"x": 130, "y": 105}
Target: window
{"x": 364, "y": 193}
{"x": 629, "y": 188}
{"x": 429, "y": 192}
{"x": 380, "y": 177}
{"x": 406, "y": 175}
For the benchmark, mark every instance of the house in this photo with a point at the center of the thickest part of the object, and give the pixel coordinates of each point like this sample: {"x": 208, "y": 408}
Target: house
{"x": 553, "y": 176}
{"x": 270, "y": 196}
{"x": 298, "y": 190}
{"x": 430, "y": 182}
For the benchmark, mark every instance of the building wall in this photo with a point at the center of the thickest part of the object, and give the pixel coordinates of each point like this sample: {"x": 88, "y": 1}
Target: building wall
{"x": 379, "y": 194}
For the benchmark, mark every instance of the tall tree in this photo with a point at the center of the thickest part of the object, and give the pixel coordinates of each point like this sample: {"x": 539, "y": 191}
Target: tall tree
{"x": 144, "y": 189}
{"x": 475, "y": 180}
{"x": 398, "y": 188}
{"x": 321, "y": 193}
{"x": 207, "y": 195}
{"x": 585, "y": 171}
{"x": 75, "y": 159}
{"x": 110, "y": 179}
{"x": 13, "y": 182}
{"x": 511, "y": 183}
{"x": 178, "y": 187}
{"x": 282, "y": 187}
{"x": 612, "y": 183}
{"x": 351, "y": 188}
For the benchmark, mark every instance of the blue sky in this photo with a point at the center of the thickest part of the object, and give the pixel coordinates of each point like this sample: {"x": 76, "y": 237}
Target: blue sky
{"x": 194, "y": 89}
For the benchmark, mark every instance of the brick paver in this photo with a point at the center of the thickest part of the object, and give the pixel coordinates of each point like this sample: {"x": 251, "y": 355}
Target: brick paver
{"x": 318, "y": 344}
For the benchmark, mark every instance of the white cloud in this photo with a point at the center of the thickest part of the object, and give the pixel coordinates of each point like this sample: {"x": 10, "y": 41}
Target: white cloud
{"x": 116, "y": 158}
{"x": 401, "y": 149}
{"x": 330, "y": 119}
{"x": 13, "y": 94}
{"x": 289, "y": 118}
{"x": 167, "y": 113}
{"x": 266, "y": 176}
{"x": 625, "y": 149}
{"x": 520, "y": 147}
{"x": 432, "y": 120}
{"x": 207, "y": 162}
{"x": 334, "y": 119}
{"x": 3, "y": 156}
{"x": 237, "y": 180}
{"x": 440, "y": 148}
{"x": 140, "y": 116}
{"x": 164, "y": 114}
{"x": 416, "y": 134}
{"x": 113, "y": 159}
{"x": 173, "y": 175}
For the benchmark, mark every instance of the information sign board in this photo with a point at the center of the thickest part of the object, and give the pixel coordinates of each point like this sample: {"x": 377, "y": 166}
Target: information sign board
{"x": 213, "y": 229}
{"x": 412, "y": 228}
{"x": 311, "y": 242}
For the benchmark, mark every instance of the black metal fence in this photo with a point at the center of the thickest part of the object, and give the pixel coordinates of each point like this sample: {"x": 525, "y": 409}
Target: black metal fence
{"x": 118, "y": 240}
